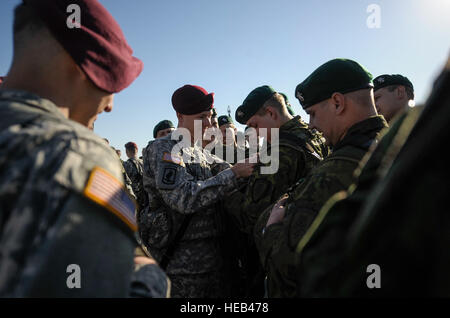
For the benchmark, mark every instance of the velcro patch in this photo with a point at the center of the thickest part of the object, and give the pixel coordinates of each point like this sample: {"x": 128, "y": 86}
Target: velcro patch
{"x": 107, "y": 191}
{"x": 168, "y": 157}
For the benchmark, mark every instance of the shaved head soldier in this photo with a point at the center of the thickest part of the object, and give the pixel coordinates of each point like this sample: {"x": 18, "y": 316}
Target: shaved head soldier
{"x": 62, "y": 200}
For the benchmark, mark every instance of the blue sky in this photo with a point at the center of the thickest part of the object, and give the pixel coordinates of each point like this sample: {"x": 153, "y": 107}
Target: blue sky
{"x": 233, "y": 46}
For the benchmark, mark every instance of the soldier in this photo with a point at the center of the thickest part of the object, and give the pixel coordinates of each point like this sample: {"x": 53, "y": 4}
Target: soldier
{"x": 393, "y": 95}
{"x": 288, "y": 105}
{"x": 163, "y": 128}
{"x": 338, "y": 96}
{"x": 209, "y": 139}
{"x": 126, "y": 178}
{"x": 214, "y": 119}
{"x": 181, "y": 226}
{"x": 134, "y": 168}
{"x": 391, "y": 229}
{"x": 299, "y": 151}
{"x": 63, "y": 206}
{"x": 229, "y": 144}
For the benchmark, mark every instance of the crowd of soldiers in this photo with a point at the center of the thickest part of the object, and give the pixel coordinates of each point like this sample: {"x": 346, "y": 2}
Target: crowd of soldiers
{"x": 360, "y": 185}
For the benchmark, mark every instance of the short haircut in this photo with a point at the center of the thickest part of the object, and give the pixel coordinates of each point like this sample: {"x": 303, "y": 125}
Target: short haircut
{"x": 25, "y": 18}
{"x": 276, "y": 101}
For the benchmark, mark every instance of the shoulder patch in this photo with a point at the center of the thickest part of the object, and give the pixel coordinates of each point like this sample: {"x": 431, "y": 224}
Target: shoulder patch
{"x": 104, "y": 189}
{"x": 168, "y": 157}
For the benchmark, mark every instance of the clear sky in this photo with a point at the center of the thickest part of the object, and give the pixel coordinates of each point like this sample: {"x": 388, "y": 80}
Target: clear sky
{"x": 230, "y": 47}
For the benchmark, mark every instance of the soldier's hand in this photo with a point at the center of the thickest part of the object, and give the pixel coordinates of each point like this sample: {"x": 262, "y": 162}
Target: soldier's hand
{"x": 143, "y": 260}
{"x": 243, "y": 169}
{"x": 278, "y": 211}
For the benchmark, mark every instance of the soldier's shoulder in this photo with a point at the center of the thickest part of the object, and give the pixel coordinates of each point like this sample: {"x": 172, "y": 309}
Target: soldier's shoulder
{"x": 85, "y": 152}
{"x": 160, "y": 145}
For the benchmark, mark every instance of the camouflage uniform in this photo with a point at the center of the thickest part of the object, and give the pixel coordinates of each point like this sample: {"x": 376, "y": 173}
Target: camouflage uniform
{"x": 176, "y": 189}
{"x": 295, "y": 161}
{"x": 395, "y": 217}
{"x": 127, "y": 180}
{"x": 277, "y": 242}
{"x": 135, "y": 170}
{"x": 50, "y": 215}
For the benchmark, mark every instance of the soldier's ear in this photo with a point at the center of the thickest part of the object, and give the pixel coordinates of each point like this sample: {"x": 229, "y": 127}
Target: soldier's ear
{"x": 180, "y": 117}
{"x": 401, "y": 92}
{"x": 338, "y": 101}
{"x": 272, "y": 112}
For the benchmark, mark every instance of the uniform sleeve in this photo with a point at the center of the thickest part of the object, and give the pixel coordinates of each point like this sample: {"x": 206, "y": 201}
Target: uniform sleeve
{"x": 217, "y": 164}
{"x": 86, "y": 253}
{"x": 150, "y": 281}
{"x": 179, "y": 189}
{"x": 263, "y": 189}
{"x": 278, "y": 243}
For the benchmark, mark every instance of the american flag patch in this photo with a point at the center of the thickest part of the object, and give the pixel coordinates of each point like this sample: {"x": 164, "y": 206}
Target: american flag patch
{"x": 109, "y": 192}
{"x": 168, "y": 157}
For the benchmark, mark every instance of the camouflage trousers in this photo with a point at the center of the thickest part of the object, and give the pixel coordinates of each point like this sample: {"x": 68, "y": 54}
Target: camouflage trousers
{"x": 208, "y": 285}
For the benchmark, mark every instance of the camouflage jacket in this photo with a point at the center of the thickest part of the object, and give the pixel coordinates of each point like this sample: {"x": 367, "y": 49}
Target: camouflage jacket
{"x": 179, "y": 184}
{"x": 277, "y": 242}
{"x": 61, "y": 202}
{"x": 135, "y": 170}
{"x": 295, "y": 161}
{"x": 398, "y": 221}
{"x": 322, "y": 247}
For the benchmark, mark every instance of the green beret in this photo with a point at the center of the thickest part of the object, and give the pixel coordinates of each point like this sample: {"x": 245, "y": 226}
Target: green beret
{"x": 288, "y": 105}
{"x": 254, "y": 101}
{"x": 164, "y": 124}
{"x": 388, "y": 80}
{"x": 223, "y": 120}
{"x": 335, "y": 76}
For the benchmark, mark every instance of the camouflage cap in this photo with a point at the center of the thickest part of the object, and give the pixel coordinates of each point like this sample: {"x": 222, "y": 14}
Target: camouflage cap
{"x": 335, "y": 76}
{"x": 253, "y": 102}
{"x": 223, "y": 120}
{"x": 163, "y": 124}
{"x": 388, "y": 80}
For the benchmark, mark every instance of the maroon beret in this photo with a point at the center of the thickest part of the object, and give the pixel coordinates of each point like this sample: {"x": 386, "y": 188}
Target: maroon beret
{"x": 192, "y": 99}
{"x": 130, "y": 144}
{"x": 98, "y": 47}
